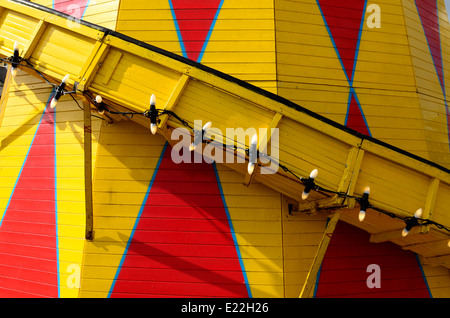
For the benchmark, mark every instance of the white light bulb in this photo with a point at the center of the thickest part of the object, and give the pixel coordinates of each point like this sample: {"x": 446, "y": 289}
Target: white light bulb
{"x": 66, "y": 78}
{"x": 362, "y": 215}
{"x": 53, "y": 103}
{"x": 207, "y": 126}
{"x": 254, "y": 139}
{"x": 153, "y": 128}
{"x": 251, "y": 165}
{"x": 405, "y": 232}
{"x": 16, "y": 46}
{"x": 251, "y": 168}
{"x": 153, "y": 100}
{"x": 418, "y": 213}
{"x": 13, "y": 72}
{"x": 99, "y": 100}
{"x": 314, "y": 174}
{"x": 305, "y": 195}
{"x": 367, "y": 190}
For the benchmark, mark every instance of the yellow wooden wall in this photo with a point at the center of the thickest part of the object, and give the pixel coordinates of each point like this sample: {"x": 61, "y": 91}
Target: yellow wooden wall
{"x": 285, "y": 49}
{"x": 242, "y": 43}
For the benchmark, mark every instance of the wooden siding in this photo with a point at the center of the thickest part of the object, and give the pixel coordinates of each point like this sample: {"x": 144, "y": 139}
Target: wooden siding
{"x": 122, "y": 175}
{"x": 257, "y": 221}
{"x": 127, "y": 148}
{"x": 241, "y": 42}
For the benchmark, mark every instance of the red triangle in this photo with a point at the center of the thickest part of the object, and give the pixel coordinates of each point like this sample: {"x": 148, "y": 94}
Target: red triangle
{"x": 194, "y": 19}
{"x": 182, "y": 245}
{"x": 344, "y": 22}
{"x": 344, "y": 271}
{"x": 75, "y": 8}
{"x": 355, "y": 119}
{"x": 28, "y": 253}
{"x": 430, "y": 21}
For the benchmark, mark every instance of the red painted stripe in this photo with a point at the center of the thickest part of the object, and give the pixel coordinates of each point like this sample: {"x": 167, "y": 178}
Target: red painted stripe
{"x": 188, "y": 256}
{"x": 355, "y": 119}
{"x": 28, "y": 255}
{"x": 344, "y": 21}
{"x": 194, "y": 19}
{"x": 344, "y": 269}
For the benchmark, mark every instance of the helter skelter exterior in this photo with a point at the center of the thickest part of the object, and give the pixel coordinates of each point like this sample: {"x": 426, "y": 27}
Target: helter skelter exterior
{"x": 344, "y": 97}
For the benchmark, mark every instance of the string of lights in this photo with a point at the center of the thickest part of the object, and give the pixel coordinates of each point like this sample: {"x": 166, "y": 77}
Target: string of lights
{"x": 252, "y": 153}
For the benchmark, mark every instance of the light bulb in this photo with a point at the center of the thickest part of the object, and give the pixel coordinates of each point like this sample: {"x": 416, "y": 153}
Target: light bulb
{"x": 198, "y": 136}
{"x": 53, "y": 103}
{"x": 314, "y": 174}
{"x": 153, "y": 100}
{"x": 364, "y": 204}
{"x": 153, "y": 128}
{"x": 309, "y": 184}
{"x": 153, "y": 114}
{"x": 362, "y": 215}
{"x": 252, "y": 154}
{"x": 410, "y": 223}
{"x": 251, "y": 167}
{"x": 15, "y": 59}
{"x": 65, "y": 79}
{"x": 305, "y": 195}
{"x": 59, "y": 91}
{"x": 418, "y": 213}
{"x": 100, "y": 107}
{"x": 207, "y": 126}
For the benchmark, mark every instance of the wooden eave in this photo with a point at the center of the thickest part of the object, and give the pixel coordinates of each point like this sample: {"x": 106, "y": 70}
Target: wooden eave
{"x": 125, "y": 72}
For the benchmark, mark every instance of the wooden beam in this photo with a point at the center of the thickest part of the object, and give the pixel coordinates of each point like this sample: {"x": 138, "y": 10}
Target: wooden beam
{"x": 117, "y": 56}
{"x": 351, "y": 172}
{"x": 315, "y": 206}
{"x": 312, "y": 275}
{"x": 95, "y": 60}
{"x": 173, "y": 99}
{"x": 36, "y": 37}
{"x": 89, "y": 231}
{"x": 437, "y": 260}
{"x": 434, "y": 246}
{"x": 391, "y": 235}
{"x": 430, "y": 202}
{"x": 5, "y": 94}
{"x": 264, "y": 140}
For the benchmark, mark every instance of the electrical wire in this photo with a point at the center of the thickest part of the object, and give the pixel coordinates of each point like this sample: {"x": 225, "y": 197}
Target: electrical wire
{"x": 226, "y": 147}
